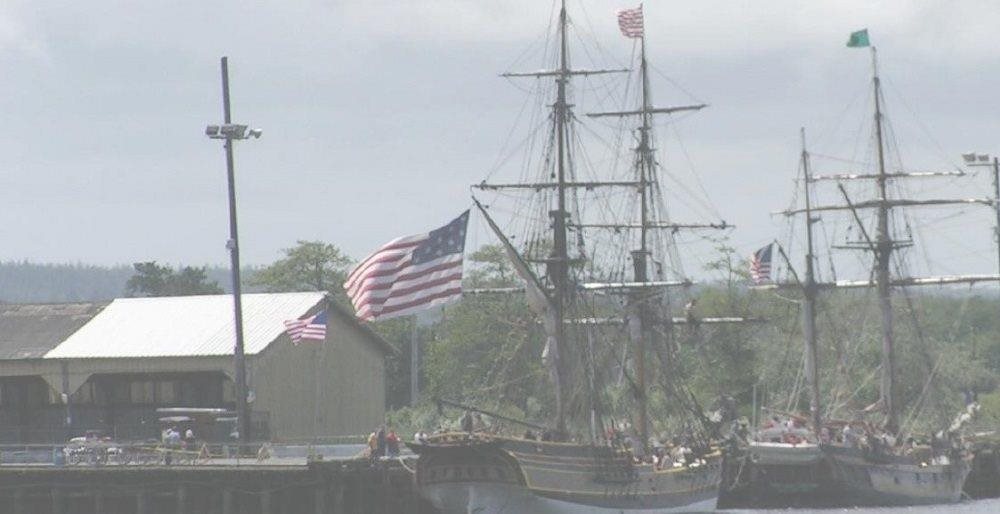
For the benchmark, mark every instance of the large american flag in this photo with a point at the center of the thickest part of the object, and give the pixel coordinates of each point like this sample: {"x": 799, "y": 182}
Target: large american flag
{"x": 313, "y": 327}
{"x": 760, "y": 265}
{"x": 410, "y": 274}
{"x": 630, "y": 21}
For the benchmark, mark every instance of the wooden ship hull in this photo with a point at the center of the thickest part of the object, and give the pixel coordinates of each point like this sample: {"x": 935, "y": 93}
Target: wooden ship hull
{"x": 984, "y": 477}
{"x": 776, "y": 475}
{"x": 490, "y": 475}
{"x": 862, "y": 479}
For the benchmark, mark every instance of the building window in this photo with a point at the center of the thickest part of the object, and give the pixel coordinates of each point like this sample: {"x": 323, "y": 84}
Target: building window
{"x": 84, "y": 395}
{"x": 142, "y": 392}
{"x": 166, "y": 392}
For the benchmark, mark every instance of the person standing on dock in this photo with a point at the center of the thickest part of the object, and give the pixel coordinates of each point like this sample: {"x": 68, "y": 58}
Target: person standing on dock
{"x": 380, "y": 443}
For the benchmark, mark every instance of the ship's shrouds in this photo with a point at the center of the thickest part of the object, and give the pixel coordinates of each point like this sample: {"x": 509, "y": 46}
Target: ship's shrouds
{"x": 410, "y": 274}
{"x": 630, "y": 22}
{"x": 313, "y": 327}
{"x": 760, "y": 265}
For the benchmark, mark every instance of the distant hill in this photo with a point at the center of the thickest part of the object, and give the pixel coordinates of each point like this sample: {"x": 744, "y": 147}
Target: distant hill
{"x": 28, "y": 282}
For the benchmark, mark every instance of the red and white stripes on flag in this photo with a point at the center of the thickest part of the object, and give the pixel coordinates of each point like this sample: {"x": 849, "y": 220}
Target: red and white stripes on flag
{"x": 630, "y": 22}
{"x": 410, "y": 274}
{"x": 760, "y": 265}
{"x": 313, "y": 327}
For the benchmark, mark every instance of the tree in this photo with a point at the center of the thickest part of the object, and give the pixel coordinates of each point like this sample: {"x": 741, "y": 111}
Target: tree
{"x": 309, "y": 266}
{"x": 152, "y": 279}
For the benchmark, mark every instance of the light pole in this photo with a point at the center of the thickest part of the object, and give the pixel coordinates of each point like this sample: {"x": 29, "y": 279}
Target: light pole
{"x": 230, "y": 132}
{"x": 975, "y": 159}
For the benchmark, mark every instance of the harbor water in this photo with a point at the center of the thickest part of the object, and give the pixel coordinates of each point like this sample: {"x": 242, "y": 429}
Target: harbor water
{"x": 991, "y": 506}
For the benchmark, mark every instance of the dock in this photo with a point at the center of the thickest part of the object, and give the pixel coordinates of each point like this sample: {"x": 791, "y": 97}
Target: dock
{"x": 282, "y": 485}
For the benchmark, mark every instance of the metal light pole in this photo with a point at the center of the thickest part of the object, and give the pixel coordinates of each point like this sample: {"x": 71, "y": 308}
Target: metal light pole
{"x": 230, "y": 132}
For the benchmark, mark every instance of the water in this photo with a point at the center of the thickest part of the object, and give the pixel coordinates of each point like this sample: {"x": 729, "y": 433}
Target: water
{"x": 968, "y": 507}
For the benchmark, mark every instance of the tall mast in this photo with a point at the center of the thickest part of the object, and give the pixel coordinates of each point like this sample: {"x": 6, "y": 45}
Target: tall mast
{"x": 644, "y": 169}
{"x": 883, "y": 256}
{"x": 810, "y": 291}
{"x": 559, "y": 262}
{"x": 640, "y": 316}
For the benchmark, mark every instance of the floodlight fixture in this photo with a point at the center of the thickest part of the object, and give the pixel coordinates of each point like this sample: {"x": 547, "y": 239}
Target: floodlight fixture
{"x": 977, "y": 159}
{"x": 232, "y": 131}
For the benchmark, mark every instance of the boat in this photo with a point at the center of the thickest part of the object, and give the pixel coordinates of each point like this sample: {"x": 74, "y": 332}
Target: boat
{"x": 868, "y": 464}
{"x": 782, "y": 464}
{"x": 609, "y": 469}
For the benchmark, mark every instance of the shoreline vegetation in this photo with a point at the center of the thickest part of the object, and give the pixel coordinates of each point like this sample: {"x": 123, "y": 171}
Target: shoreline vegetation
{"x": 485, "y": 350}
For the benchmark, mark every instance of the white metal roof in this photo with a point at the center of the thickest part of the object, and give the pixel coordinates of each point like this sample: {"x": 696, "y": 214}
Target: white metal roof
{"x": 181, "y": 326}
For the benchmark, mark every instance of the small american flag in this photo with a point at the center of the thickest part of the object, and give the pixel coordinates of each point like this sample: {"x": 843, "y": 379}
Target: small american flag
{"x": 313, "y": 327}
{"x": 760, "y": 265}
{"x": 630, "y": 22}
{"x": 410, "y": 274}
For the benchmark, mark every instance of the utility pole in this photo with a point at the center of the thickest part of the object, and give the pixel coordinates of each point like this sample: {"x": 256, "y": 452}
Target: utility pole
{"x": 230, "y": 132}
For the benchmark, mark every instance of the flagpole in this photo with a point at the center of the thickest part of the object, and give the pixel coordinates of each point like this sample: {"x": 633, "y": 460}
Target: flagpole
{"x": 415, "y": 361}
{"x": 316, "y": 388}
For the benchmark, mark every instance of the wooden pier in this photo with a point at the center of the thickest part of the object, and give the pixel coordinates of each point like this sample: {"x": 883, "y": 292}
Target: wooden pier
{"x": 322, "y": 487}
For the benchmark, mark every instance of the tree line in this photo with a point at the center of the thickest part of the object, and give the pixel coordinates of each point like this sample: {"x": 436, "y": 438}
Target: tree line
{"x": 486, "y": 349}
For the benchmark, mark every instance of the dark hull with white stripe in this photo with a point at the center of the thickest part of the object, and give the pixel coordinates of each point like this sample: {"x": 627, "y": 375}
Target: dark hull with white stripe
{"x": 866, "y": 480}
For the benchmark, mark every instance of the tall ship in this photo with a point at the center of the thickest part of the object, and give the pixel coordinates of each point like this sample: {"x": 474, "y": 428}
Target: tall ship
{"x": 582, "y": 461}
{"x": 862, "y": 462}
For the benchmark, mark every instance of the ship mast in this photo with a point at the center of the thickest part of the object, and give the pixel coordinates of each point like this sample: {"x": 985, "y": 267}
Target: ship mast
{"x": 558, "y": 265}
{"x": 640, "y": 319}
{"x": 639, "y": 257}
{"x": 558, "y": 262}
{"x": 642, "y": 288}
{"x": 810, "y": 291}
{"x": 884, "y": 246}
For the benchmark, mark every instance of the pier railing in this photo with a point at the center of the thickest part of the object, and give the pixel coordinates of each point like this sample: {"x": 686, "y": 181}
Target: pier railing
{"x": 109, "y": 453}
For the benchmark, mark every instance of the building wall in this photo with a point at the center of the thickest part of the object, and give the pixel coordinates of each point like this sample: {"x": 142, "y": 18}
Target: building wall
{"x": 318, "y": 390}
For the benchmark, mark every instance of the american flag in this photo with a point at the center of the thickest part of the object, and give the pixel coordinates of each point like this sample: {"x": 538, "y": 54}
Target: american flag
{"x": 313, "y": 327}
{"x": 760, "y": 265}
{"x": 410, "y": 274}
{"x": 630, "y": 22}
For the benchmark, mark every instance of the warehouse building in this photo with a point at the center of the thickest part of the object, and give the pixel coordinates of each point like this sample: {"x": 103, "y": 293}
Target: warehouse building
{"x": 70, "y": 368}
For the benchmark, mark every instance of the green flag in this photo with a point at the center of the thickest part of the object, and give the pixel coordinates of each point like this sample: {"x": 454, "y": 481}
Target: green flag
{"x": 859, "y": 39}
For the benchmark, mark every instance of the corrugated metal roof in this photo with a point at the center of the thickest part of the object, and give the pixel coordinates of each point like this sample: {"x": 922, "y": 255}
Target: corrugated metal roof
{"x": 182, "y": 326}
{"x": 29, "y": 331}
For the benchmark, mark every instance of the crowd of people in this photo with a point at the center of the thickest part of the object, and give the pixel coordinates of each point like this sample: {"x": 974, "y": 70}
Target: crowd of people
{"x": 383, "y": 442}
{"x": 171, "y": 436}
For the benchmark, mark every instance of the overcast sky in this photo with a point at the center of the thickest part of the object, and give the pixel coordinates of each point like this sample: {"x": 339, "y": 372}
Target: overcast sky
{"x": 377, "y": 114}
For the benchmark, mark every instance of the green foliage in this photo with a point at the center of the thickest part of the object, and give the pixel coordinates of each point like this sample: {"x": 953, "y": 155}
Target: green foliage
{"x": 487, "y": 348}
{"x": 485, "y": 351}
{"x": 152, "y": 279}
{"x": 309, "y": 266}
